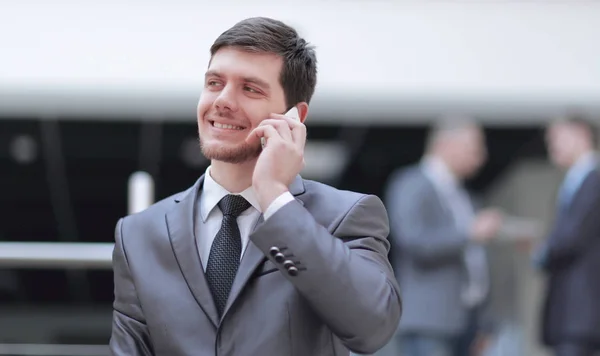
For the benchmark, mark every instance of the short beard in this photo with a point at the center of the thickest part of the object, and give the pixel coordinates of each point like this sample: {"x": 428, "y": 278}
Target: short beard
{"x": 240, "y": 154}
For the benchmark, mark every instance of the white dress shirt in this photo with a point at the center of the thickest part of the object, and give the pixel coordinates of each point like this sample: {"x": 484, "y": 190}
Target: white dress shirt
{"x": 457, "y": 199}
{"x": 208, "y": 215}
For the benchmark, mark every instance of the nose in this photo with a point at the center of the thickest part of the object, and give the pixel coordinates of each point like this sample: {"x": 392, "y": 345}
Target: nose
{"x": 226, "y": 101}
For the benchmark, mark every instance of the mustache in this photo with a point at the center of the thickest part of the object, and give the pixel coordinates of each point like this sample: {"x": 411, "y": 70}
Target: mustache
{"x": 221, "y": 115}
{"x": 224, "y": 115}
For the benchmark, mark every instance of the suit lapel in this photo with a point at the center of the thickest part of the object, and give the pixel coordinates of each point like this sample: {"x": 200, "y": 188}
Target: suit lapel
{"x": 253, "y": 256}
{"x": 180, "y": 225}
{"x": 579, "y": 194}
{"x": 442, "y": 203}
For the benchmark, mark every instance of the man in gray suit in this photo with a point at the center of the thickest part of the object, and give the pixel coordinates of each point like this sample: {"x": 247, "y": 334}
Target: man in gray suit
{"x": 442, "y": 264}
{"x": 252, "y": 259}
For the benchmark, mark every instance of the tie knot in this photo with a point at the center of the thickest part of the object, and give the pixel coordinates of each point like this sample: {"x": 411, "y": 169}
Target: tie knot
{"x": 233, "y": 205}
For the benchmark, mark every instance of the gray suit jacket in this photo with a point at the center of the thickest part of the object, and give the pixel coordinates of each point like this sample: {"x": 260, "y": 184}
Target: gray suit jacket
{"x": 344, "y": 297}
{"x": 429, "y": 259}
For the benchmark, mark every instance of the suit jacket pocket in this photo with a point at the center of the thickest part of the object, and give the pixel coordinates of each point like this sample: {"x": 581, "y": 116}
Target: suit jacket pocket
{"x": 267, "y": 267}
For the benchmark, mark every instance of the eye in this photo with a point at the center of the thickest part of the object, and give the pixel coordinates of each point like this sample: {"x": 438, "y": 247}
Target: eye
{"x": 211, "y": 83}
{"x": 250, "y": 89}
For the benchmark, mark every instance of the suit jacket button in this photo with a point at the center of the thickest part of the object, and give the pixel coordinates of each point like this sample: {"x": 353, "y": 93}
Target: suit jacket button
{"x": 274, "y": 250}
{"x": 288, "y": 264}
{"x": 293, "y": 271}
{"x": 279, "y": 257}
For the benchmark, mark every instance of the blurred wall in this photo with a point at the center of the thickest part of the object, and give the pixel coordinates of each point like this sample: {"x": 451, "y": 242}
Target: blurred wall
{"x": 384, "y": 59}
{"x": 528, "y": 189}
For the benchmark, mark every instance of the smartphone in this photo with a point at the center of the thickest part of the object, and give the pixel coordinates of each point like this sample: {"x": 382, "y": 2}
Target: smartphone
{"x": 293, "y": 113}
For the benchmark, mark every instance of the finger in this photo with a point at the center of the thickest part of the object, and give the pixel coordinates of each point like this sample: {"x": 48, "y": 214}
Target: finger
{"x": 292, "y": 121}
{"x": 299, "y": 136}
{"x": 281, "y": 126}
{"x": 278, "y": 116}
{"x": 272, "y": 121}
{"x": 266, "y": 131}
{"x": 298, "y": 130}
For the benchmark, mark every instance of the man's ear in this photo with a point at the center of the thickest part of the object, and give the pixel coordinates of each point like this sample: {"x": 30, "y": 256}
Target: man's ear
{"x": 302, "y": 111}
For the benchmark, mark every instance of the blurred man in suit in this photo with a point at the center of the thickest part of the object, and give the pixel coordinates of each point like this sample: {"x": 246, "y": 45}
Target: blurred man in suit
{"x": 571, "y": 253}
{"x": 440, "y": 235}
{"x": 253, "y": 259}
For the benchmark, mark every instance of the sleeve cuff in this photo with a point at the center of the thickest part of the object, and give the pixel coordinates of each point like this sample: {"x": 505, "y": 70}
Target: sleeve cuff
{"x": 277, "y": 204}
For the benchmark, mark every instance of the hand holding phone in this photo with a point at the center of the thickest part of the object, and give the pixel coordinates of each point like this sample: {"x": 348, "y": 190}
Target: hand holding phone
{"x": 282, "y": 157}
{"x": 293, "y": 113}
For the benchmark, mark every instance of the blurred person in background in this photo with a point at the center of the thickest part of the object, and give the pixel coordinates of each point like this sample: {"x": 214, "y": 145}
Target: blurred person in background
{"x": 253, "y": 259}
{"x": 570, "y": 255}
{"x": 441, "y": 237}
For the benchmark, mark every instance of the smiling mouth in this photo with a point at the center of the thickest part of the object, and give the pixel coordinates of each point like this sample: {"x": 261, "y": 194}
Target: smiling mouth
{"x": 225, "y": 126}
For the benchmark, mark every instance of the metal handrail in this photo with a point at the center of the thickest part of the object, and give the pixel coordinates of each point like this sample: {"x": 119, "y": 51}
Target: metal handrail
{"x": 53, "y": 255}
{"x": 140, "y": 195}
{"x": 56, "y": 255}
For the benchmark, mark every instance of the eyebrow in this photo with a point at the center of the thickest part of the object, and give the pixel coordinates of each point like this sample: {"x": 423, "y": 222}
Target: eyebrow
{"x": 255, "y": 80}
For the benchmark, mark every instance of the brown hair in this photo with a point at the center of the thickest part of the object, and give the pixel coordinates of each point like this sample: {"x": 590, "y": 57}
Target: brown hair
{"x": 449, "y": 124}
{"x": 298, "y": 76}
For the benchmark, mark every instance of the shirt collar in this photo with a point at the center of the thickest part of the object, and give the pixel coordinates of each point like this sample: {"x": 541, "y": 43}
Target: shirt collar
{"x": 581, "y": 168}
{"x": 213, "y": 192}
{"x": 437, "y": 170}
{"x": 583, "y": 164}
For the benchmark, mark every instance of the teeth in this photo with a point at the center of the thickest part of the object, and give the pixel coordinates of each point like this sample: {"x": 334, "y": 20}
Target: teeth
{"x": 225, "y": 126}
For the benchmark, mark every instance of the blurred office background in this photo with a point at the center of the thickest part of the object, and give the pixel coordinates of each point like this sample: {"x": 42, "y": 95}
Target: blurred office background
{"x": 93, "y": 91}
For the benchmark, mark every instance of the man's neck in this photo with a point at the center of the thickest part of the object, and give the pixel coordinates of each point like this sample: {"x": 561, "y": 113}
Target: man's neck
{"x": 235, "y": 177}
